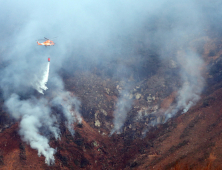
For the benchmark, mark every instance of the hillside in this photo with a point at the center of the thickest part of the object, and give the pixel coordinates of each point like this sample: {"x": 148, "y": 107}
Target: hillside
{"x": 191, "y": 140}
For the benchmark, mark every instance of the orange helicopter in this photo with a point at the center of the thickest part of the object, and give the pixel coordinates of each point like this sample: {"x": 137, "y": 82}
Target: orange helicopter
{"x": 48, "y": 42}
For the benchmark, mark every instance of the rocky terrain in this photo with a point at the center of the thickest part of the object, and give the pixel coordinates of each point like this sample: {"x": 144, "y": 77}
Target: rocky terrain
{"x": 148, "y": 140}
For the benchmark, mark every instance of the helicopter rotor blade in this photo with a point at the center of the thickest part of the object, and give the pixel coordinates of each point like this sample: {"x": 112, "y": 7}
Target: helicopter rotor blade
{"x": 53, "y": 38}
{"x": 40, "y": 40}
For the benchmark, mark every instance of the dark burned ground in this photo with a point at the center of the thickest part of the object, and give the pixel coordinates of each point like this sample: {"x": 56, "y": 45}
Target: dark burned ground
{"x": 91, "y": 147}
{"x": 98, "y": 93}
{"x": 192, "y": 140}
{"x": 186, "y": 140}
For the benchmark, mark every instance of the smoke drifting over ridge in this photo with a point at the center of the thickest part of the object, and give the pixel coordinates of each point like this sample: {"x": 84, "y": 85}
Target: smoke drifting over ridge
{"x": 92, "y": 33}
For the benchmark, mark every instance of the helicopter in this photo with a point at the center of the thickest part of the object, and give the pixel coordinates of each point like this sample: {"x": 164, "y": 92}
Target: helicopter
{"x": 46, "y": 43}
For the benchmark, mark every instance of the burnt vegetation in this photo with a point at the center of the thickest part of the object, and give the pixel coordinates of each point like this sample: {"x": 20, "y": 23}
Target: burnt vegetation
{"x": 22, "y": 154}
{"x": 98, "y": 85}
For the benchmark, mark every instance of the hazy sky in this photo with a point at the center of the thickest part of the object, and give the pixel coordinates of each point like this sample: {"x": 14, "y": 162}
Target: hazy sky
{"x": 95, "y": 32}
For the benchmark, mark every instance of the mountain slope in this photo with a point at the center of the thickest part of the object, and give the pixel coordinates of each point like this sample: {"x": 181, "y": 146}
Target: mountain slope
{"x": 190, "y": 140}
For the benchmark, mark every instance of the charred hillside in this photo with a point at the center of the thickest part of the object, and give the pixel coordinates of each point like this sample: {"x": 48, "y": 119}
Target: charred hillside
{"x": 112, "y": 85}
{"x": 189, "y": 140}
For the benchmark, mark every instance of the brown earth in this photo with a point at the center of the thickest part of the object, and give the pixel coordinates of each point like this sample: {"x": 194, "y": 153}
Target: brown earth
{"x": 191, "y": 140}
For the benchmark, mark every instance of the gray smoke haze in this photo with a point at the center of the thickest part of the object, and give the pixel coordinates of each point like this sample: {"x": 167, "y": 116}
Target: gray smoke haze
{"x": 192, "y": 86}
{"x": 93, "y": 33}
{"x": 190, "y": 91}
{"x": 34, "y": 114}
{"x": 122, "y": 107}
{"x": 72, "y": 115}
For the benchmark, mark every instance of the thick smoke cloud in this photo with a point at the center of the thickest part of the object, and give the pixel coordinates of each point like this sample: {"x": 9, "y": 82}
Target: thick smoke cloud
{"x": 40, "y": 83}
{"x": 92, "y": 33}
{"x": 34, "y": 114}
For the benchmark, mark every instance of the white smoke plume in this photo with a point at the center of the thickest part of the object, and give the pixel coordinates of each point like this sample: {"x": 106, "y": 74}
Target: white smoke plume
{"x": 40, "y": 84}
{"x": 190, "y": 91}
{"x": 95, "y": 32}
{"x": 122, "y": 107}
{"x": 192, "y": 86}
{"x": 70, "y": 108}
{"x": 34, "y": 115}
